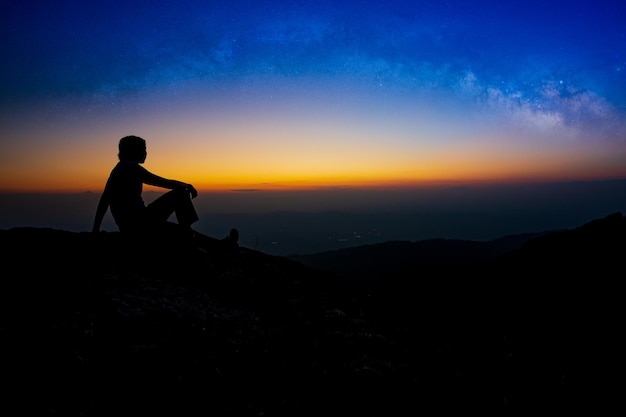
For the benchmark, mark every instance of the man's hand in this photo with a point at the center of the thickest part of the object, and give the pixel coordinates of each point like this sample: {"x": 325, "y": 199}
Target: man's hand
{"x": 192, "y": 191}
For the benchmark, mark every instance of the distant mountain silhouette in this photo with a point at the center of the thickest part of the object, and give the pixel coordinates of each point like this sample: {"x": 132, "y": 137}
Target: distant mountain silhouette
{"x": 93, "y": 325}
{"x": 390, "y": 258}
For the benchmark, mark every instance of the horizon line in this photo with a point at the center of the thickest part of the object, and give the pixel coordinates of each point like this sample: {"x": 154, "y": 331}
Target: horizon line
{"x": 364, "y": 186}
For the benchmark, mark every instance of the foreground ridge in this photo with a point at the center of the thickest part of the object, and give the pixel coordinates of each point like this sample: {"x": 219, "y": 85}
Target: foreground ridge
{"x": 92, "y": 325}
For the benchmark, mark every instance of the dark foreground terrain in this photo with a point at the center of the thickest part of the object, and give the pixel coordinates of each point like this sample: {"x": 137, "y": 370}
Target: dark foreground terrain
{"x": 97, "y": 325}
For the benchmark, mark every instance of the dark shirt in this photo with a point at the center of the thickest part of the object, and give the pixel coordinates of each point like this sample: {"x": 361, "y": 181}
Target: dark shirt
{"x": 124, "y": 187}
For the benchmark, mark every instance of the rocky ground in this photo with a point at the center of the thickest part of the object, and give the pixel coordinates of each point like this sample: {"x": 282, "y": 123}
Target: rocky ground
{"x": 99, "y": 325}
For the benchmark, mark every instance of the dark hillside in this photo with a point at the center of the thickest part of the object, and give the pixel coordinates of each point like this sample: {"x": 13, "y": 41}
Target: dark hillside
{"x": 96, "y": 325}
{"x": 396, "y": 257}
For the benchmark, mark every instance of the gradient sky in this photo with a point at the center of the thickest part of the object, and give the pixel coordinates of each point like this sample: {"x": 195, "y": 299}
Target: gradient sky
{"x": 283, "y": 94}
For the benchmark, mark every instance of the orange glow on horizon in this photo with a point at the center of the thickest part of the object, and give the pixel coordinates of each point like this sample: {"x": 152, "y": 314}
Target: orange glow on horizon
{"x": 271, "y": 155}
{"x": 36, "y": 187}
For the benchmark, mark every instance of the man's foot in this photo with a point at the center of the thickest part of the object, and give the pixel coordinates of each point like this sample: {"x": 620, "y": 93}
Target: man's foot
{"x": 234, "y": 236}
{"x": 232, "y": 239}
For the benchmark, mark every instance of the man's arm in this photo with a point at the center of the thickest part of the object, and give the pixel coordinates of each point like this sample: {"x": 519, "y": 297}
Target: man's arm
{"x": 157, "y": 181}
{"x": 101, "y": 210}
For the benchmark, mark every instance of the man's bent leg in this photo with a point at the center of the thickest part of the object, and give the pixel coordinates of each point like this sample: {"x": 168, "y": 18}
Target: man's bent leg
{"x": 176, "y": 201}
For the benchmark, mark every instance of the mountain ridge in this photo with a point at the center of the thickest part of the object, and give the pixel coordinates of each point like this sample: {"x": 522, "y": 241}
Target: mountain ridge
{"x": 94, "y": 325}
{"x": 376, "y": 258}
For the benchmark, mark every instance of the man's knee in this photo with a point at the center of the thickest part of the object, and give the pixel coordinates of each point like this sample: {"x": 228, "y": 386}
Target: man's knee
{"x": 181, "y": 193}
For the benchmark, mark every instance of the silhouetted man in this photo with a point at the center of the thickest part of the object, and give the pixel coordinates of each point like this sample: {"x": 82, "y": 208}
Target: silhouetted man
{"x": 123, "y": 195}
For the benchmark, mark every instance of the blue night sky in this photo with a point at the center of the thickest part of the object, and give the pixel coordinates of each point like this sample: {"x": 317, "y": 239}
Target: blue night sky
{"x": 114, "y": 49}
{"x": 284, "y": 95}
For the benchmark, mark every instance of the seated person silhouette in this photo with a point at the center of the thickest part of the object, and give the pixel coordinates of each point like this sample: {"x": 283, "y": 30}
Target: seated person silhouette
{"x": 123, "y": 195}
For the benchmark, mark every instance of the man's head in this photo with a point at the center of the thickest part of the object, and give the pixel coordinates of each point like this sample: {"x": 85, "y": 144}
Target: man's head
{"x": 132, "y": 148}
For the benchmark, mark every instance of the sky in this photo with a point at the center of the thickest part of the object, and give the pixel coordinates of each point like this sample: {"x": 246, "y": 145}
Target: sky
{"x": 275, "y": 94}
{"x": 269, "y": 96}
